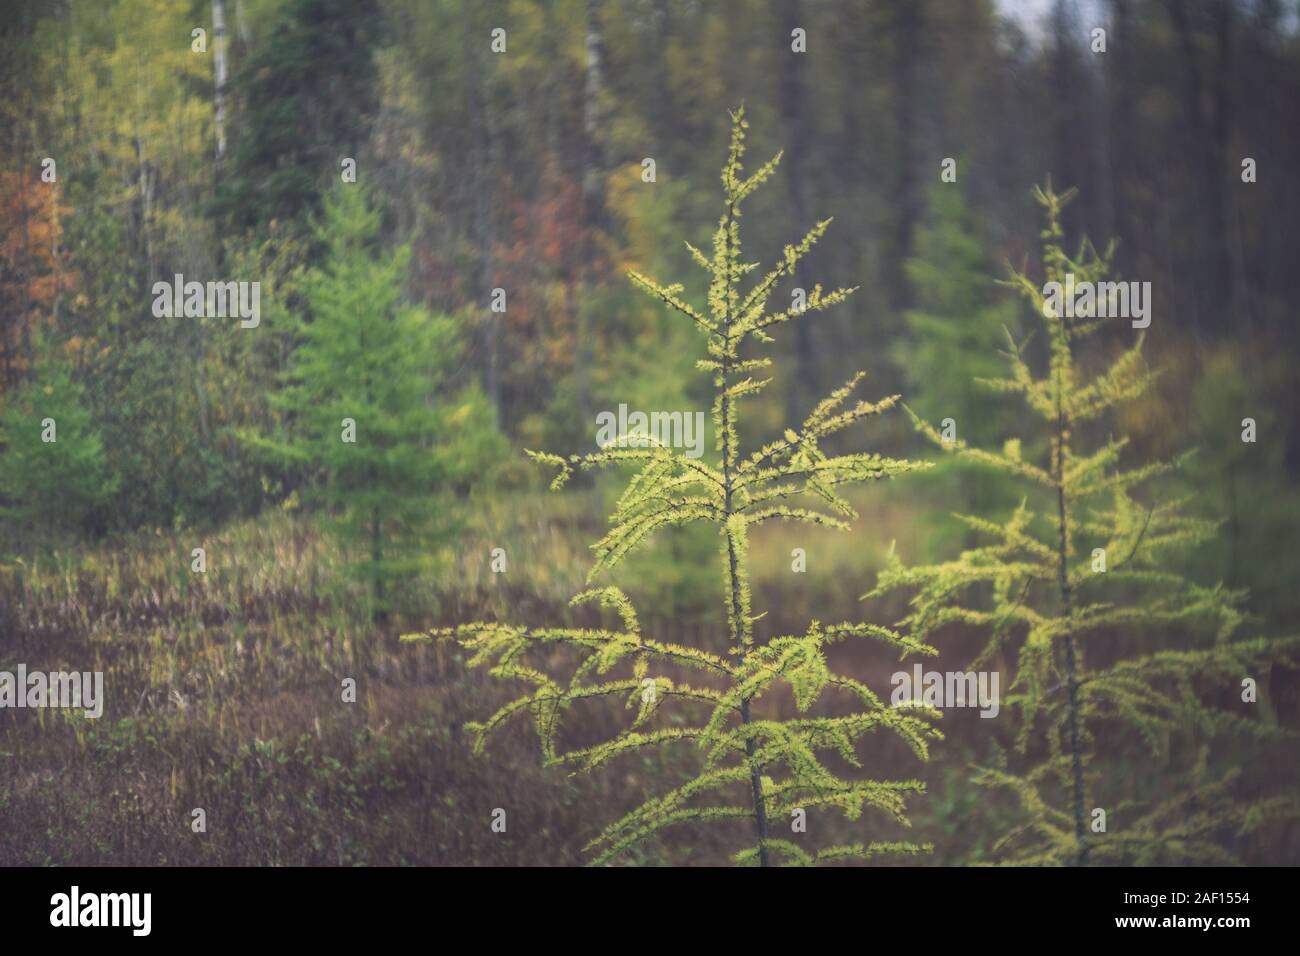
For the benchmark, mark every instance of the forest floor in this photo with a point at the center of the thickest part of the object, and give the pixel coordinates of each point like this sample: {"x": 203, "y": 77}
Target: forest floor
{"x": 224, "y": 692}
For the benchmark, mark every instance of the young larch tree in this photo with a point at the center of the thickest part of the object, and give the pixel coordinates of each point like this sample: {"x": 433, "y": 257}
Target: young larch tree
{"x": 753, "y": 767}
{"x": 1084, "y": 556}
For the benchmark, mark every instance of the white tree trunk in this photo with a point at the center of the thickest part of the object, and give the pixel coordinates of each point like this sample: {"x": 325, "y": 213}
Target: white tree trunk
{"x": 219, "y": 69}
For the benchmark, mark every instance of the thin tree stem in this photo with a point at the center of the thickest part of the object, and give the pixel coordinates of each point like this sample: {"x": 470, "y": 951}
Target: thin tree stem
{"x": 1071, "y": 668}
{"x": 733, "y": 564}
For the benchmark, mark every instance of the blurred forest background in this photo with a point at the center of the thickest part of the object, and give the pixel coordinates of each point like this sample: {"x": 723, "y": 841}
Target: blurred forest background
{"x": 522, "y": 170}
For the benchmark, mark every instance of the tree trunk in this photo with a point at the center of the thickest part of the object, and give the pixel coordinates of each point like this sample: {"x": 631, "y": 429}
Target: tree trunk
{"x": 1121, "y": 86}
{"x": 1071, "y": 663}
{"x": 907, "y": 198}
{"x": 736, "y": 614}
{"x": 479, "y": 116}
{"x": 1066, "y": 144}
{"x": 1206, "y": 142}
{"x": 593, "y": 204}
{"x": 219, "y": 90}
{"x": 376, "y": 557}
{"x": 796, "y": 114}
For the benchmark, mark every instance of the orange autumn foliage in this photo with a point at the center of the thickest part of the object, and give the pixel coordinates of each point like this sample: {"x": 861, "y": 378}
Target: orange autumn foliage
{"x": 33, "y": 272}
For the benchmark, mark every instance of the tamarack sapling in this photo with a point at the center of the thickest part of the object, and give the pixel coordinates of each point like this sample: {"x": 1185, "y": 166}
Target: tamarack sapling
{"x": 752, "y": 767}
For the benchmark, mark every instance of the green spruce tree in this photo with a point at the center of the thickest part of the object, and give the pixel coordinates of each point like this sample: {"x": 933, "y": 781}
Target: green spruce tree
{"x": 954, "y": 332}
{"x": 1084, "y": 557}
{"x": 753, "y": 765}
{"x": 958, "y": 322}
{"x": 368, "y": 416}
{"x": 53, "y": 476}
{"x": 304, "y": 98}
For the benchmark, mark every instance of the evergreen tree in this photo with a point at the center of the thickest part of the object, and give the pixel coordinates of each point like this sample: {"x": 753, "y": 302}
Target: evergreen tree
{"x": 1082, "y": 558}
{"x": 958, "y": 324}
{"x": 754, "y": 767}
{"x": 359, "y": 394}
{"x": 53, "y": 475}
{"x": 307, "y": 98}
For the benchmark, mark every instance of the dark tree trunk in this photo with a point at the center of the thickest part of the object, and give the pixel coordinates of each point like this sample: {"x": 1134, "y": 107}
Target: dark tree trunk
{"x": 796, "y": 115}
{"x": 478, "y": 113}
{"x": 593, "y": 200}
{"x": 907, "y": 192}
{"x": 1206, "y": 142}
